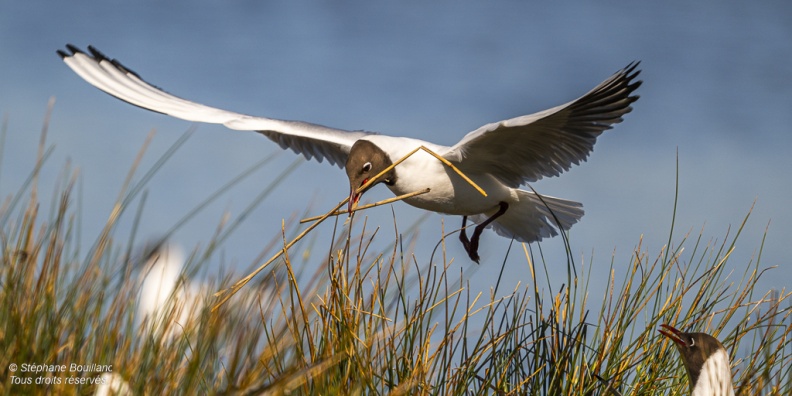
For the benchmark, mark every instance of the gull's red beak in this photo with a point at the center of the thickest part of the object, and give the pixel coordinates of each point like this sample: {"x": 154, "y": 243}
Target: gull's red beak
{"x": 354, "y": 198}
{"x": 353, "y": 201}
{"x": 672, "y": 333}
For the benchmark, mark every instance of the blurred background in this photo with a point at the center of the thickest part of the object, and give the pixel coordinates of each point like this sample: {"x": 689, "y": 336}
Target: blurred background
{"x": 717, "y": 93}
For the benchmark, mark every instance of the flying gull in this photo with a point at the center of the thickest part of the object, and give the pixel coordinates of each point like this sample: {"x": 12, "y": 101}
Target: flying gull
{"x": 499, "y": 157}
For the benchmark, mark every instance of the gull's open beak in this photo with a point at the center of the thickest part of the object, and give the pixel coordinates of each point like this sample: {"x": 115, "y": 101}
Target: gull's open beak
{"x": 672, "y": 333}
{"x": 355, "y": 197}
{"x": 353, "y": 201}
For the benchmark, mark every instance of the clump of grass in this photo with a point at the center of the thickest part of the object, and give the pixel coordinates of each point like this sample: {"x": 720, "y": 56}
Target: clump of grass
{"x": 372, "y": 320}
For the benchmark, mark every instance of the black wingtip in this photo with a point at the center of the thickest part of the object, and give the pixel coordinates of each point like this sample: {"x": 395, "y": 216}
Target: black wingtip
{"x": 629, "y": 73}
{"x": 73, "y": 49}
{"x": 98, "y": 55}
{"x": 631, "y": 70}
{"x": 123, "y": 68}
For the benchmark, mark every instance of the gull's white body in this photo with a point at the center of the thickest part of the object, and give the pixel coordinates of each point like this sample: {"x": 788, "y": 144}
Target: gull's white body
{"x": 715, "y": 378}
{"x": 499, "y": 156}
{"x": 449, "y": 194}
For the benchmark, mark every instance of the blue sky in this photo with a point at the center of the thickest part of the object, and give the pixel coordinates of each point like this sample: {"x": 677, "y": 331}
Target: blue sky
{"x": 717, "y": 91}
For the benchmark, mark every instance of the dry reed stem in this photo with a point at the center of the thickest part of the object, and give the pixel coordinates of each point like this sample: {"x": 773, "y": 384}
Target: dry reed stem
{"x": 372, "y": 205}
{"x": 226, "y": 294}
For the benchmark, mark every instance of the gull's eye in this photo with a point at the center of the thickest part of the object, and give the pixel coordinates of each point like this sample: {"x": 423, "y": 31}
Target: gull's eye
{"x": 367, "y": 167}
{"x": 692, "y": 342}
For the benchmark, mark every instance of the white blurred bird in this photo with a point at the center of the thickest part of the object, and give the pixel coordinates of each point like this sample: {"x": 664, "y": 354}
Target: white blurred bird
{"x": 168, "y": 303}
{"x": 706, "y": 362}
{"x": 499, "y": 157}
{"x": 112, "y": 384}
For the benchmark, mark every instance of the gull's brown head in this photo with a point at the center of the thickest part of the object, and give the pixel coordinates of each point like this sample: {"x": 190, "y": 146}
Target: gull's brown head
{"x": 694, "y": 348}
{"x": 366, "y": 161}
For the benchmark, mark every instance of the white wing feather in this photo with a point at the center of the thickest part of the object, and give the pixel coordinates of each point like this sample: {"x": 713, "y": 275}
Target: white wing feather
{"x": 527, "y": 148}
{"x": 110, "y": 76}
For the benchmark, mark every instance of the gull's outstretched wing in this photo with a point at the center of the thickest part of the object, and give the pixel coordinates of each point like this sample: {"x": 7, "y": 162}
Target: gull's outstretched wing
{"x": 527, "y": 148}
{"x": 110, "y": 76}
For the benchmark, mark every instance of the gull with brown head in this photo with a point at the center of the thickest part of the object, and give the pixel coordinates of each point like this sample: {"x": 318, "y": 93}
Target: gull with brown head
{"x": 706, "y": 362}
{"x": 499, "y": 157}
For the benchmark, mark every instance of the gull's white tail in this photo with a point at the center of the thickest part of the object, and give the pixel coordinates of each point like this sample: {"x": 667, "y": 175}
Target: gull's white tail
{"x": 531, "y": 218}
